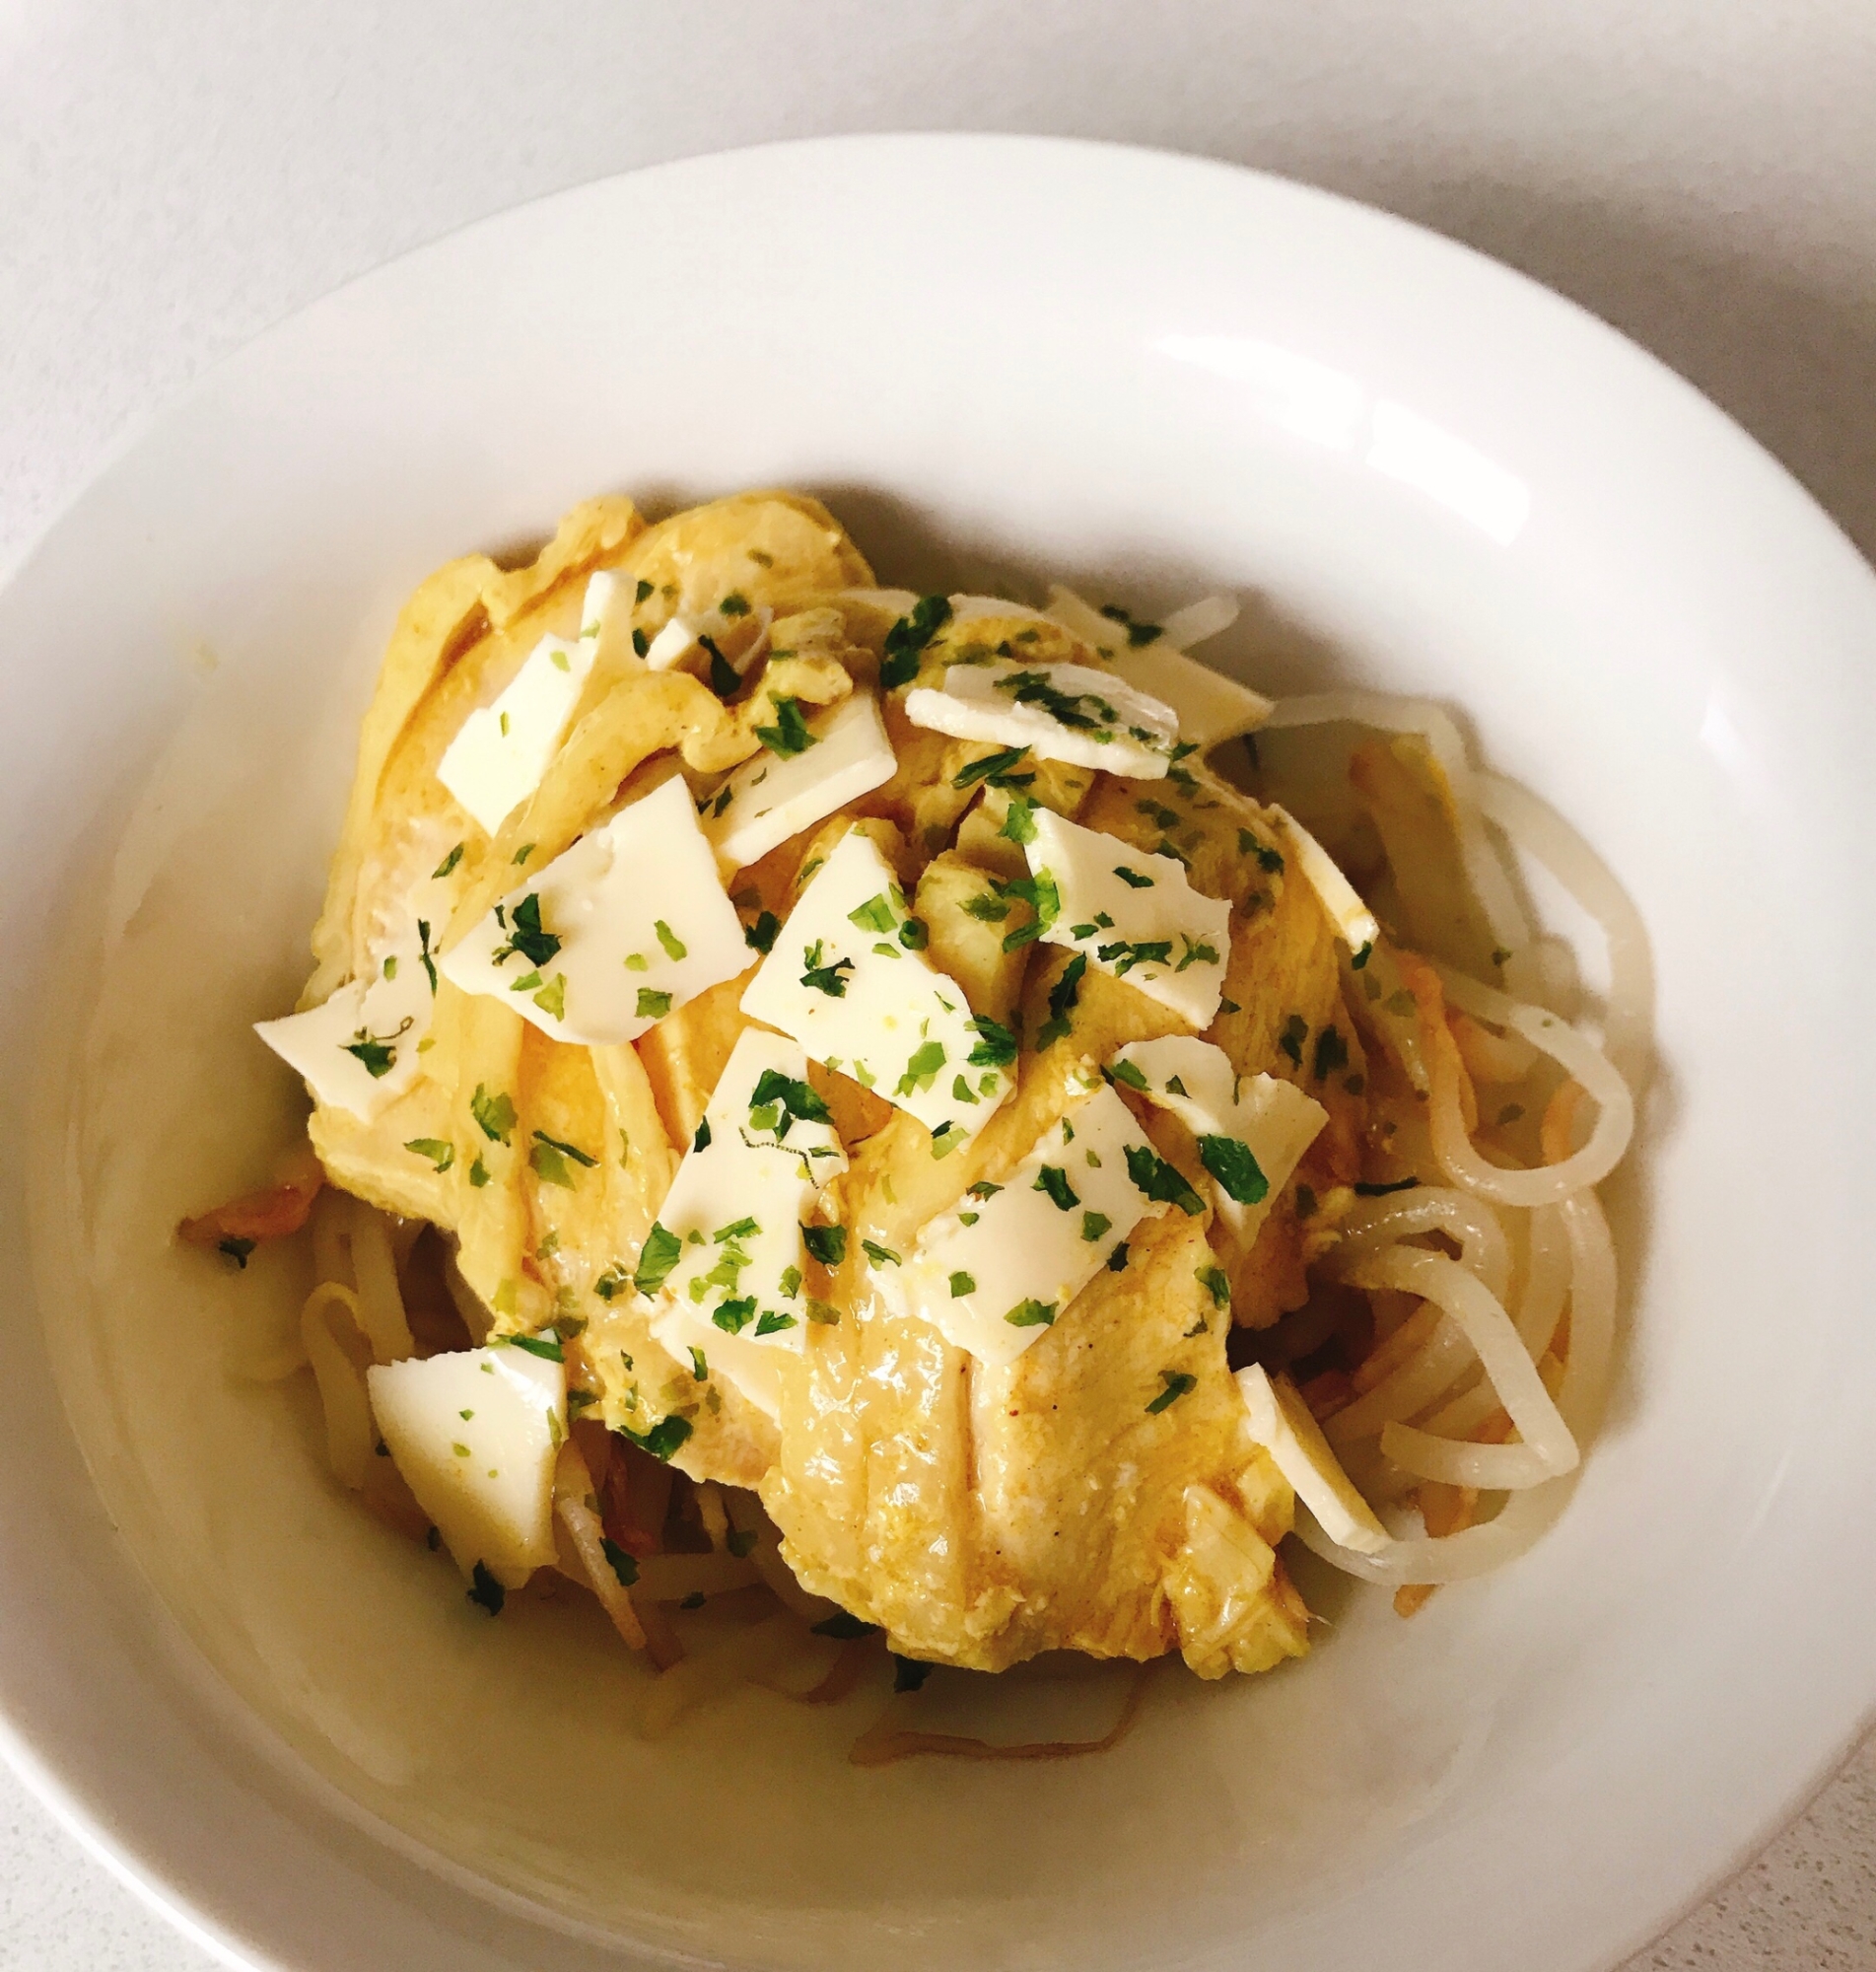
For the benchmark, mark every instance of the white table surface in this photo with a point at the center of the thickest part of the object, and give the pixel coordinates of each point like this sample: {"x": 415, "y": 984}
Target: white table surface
{"x": 1702, "y": 173}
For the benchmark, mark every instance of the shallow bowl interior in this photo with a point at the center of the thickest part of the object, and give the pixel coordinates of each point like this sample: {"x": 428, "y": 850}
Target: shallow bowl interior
{"x": 1001, "y": 362}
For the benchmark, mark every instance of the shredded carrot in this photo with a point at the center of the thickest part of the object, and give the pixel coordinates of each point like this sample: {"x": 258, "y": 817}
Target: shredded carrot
{"x": 849, "y": 1667}
{"x": 1327, "y": 1394}
{"x": 1387, "y": 1357}
{"x": 1558, "y": 1133}
{"x": 1435, "y": 1027}
{"x": 1449, "y": 1510}
{"x": 884, "y": 1742}
{"x": 272, "y": 1213}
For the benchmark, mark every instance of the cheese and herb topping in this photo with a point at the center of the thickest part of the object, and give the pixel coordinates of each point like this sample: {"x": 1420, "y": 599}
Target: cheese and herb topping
{"x": 1073, "y": 713}
{"x": 851, "y": 980}
{"x": 1251, "y": 1133}
{"x": 834, "y": 758}
{"x": 1210, "y": 708}
{"x": 725, "y": 1263}
{"x": 728, "y": 637}
{"x": 359, "y": 1049}
{"x": 501, "y": 751}
{"x": 625, "y": 927}
{"x": 1151, "y": 657}
{"x": 1282, "y": 1423}
{"x": 1132, "y": 912}
{"x": 475, "y": 1434}
{"x": 1355, "y": 923}
{"x": 995, "y": 1274}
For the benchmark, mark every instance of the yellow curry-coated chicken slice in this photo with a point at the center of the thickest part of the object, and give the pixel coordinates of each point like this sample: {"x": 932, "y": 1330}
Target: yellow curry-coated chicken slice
{"x": 543, "y": 1237}
{"x": 984, "y": 1514}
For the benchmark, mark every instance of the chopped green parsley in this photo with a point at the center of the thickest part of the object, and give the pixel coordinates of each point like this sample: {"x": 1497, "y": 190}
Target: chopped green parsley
{"x": 908, "y": 637}
{"x": 1160, "y": 1181}
{"x": 1177, "y": 1383}
{"x": 1229, "y": 1159}
{"x": 788, "y": 735}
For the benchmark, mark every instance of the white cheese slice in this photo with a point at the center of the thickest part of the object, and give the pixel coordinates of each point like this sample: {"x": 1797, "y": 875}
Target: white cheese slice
{"x": 683, "y": 634}
{"x": 677, "y": 637}
{"x": 769, "y": 799}
{"x": 1355, "y": 923}
{"x": 971, "y": 608}
{"x": 849, "y": 980}
{"x": 359, "y": 1049}
{"x": 502, "y": 750}
{"x": 1005, "y": 1266}
{"x": 1210, "y": 708}
{"x": 625, "y": 927}
{"x": 1116, "y": 635}
{"x": 901, "y": 601}
{"x": 1281, "y": 1422}
{"x": 475, "y": 1434}
{"x": 1062, "y": 712}
{"x": 1147, "y": 926}
{"x": 729, "y": 1234}
{"x": 1252, "y": 1134}
{"x": 602, "y": 593}
{"x": 1198, "y": 620}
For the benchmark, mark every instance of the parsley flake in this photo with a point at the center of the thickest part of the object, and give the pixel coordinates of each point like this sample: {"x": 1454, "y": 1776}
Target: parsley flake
{"x": 723, "y": 677}
{"x": 658, "y": 1255}
{"x": 1064, "y": 996}
{"x": 527, "y": 936}
{"x": 996, "y": 1045}
{"x": 825, "y": 978}
{"x": 1031, "y": 1315}
{"x": 1240, "y": 1175}
{"x": 1177, "y": 1383}
{"x": 788, "y": 735}
{"x": 623, "y": 1565}
{"x": 794, "y": 1102}
{"x": 1054, "y": 1181}
{"x": 921, "y": 1071}
{"x": 844, "y": 1628}
{"x": 909, "y": 636}
{"x": 734, "y": 1316}
{"x": 1160, "y": 1181}
{"x": 663, "y": 1438}
{"x": 826, "y": 1244}
{"x": 994, "y": 770}
{"x": 494, "y": 1113}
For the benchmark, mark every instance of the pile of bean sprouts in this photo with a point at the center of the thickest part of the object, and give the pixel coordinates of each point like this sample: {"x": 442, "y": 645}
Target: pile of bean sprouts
{"x": 1512, "y": 1267}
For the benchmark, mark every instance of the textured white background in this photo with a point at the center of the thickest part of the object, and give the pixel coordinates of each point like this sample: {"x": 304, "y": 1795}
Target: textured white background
{"x": 1702, "y": 173}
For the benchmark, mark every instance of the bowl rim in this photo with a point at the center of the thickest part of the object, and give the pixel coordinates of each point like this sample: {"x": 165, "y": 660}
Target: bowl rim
{"x": 88, "y": 1814}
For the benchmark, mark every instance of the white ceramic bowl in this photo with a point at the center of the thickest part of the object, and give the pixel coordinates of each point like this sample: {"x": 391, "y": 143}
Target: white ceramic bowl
{"x": 998, "y": 359}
